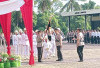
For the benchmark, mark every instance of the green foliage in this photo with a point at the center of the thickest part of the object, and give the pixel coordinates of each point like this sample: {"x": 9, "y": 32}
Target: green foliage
{"x": 90, "y": 5}
{"x": 97, "y": 7}
{"x": 41, "y": 28}
{"x": 5, "y": 55}
{"x": 34, "y": 19}
{"x": 47, "y": 8}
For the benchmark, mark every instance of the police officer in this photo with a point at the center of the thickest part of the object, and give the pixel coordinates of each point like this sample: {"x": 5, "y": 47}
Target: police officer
{"x": 58, "y": 41}
{"x": 97, "y": 36}
{"x": 80, "y": 44}
{"x": 39, "y": 46}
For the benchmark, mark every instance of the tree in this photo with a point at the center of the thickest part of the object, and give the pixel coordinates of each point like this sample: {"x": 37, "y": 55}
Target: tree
{"x": 71, "y": 5}
{"x": 48, "y": 5}
{"x": 34, "y": 19}
{"x": 89, "y": 5}
{"x": 97, "y": 7}
{"x": 17, "y": 21}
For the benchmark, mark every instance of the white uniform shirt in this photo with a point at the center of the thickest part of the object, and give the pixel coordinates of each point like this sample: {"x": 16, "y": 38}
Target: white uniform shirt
{"x": 15, "y": 40}
{"x": 34, "y": 39}
{"x": 95, "y": 34}
{"x": 99, "y": 34}
{"x": 53, "y": 38}
{"x": 25, "y": 39}
{"x": 20, "y": 39}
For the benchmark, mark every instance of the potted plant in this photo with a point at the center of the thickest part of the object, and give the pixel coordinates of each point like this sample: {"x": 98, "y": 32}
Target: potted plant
{"x": 1, "y": 62}
{"x": 13, "y": 62}
{"x": 6, "y": 61}
{"x": 18, "y": 59}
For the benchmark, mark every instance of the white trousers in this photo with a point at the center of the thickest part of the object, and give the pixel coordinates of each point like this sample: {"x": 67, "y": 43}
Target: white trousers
{"x": 16, "y": 49}
{"x": 53, "y": 48}
{"x": 26, "y": 51}
{"x": 35, "y": 50}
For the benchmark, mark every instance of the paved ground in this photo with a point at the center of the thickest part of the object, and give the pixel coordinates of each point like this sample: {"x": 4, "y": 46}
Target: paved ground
{"x": 91, "y": 58}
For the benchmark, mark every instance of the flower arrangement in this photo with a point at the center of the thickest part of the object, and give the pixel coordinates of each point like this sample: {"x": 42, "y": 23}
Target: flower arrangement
{"x": 7, "y": 61}
{"x": 5, "y": 57}
{"x": 14, "y": 58}
{"x": 1, "y": 60}
{"x": 15, "y": 61}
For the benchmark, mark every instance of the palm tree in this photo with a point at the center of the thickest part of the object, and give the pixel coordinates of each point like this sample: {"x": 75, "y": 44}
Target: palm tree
{"x": 44, "y": 5}
{"x": 71, "y": 5}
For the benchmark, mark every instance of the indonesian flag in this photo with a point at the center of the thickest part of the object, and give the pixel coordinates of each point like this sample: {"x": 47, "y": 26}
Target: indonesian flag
{"x": 7, "y": 6}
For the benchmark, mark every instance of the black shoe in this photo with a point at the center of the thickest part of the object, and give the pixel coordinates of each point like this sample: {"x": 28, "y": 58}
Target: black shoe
{"x": 80, "y": 61}
{"x": 58, "y": 60}
{"x": 61, "y": 60}
{"x": 39, "y": 61}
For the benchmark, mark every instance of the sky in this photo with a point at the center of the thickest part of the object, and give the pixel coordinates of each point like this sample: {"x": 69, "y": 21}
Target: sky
{"x": 80, "y": 2}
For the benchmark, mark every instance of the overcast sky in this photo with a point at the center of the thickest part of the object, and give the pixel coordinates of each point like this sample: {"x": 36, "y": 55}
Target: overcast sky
{"x": 81, "y": 2}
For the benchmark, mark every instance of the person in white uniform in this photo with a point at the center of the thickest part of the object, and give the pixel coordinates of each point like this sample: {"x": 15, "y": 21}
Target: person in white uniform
{"x": 26, "y": 45}
{"x": 45, "y": 45}
{"x": 15, "y": 42}
{"x": 53, "y": 48}
{"x": 20, "y": 42}
{"x": 35, "y": 44}
{"x": 99, "y": 36}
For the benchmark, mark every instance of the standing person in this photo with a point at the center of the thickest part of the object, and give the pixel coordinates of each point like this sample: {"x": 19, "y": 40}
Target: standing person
{"x": 88, "y": 37}
{"x": 92, "y": 37}
{"x": 53, "y": 49}
{"x": 95, "y": 37}
{"x": 39, "y": 46}
{"x": 15, "y": 42}
{"x": 20, "y": 43}
{"x": 98, "y": 37}
{"x": 35, "y": 44}
{"x": 58, "y": 40}
{"x": 68, "y": 37}
{"x": 46, "y": 47}
{"x": 25, "y": 44}
{"x": 80, "y": 44}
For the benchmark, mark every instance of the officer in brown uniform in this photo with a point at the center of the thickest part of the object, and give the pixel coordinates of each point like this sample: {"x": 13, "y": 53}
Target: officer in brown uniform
{"x": 39, "y": 46}
{"x": 58, "y": 40}
{"x": 80, "y": 44}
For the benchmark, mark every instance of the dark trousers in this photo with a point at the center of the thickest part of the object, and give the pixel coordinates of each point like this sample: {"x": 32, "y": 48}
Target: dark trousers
{"x": 39, "y": 53}
{"x": 68, "y": 39}
{"x": 92, "y": 40}
{"x": 80, "y": 52}
{"x": 59, "y": 54}
{"x": 85, "y": 39}
{"x": 88, "y": 40}
{"x": 97, "y": 39}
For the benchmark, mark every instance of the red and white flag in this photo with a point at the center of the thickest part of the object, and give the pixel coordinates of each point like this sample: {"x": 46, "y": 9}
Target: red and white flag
{"x": 7, "y": 6}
